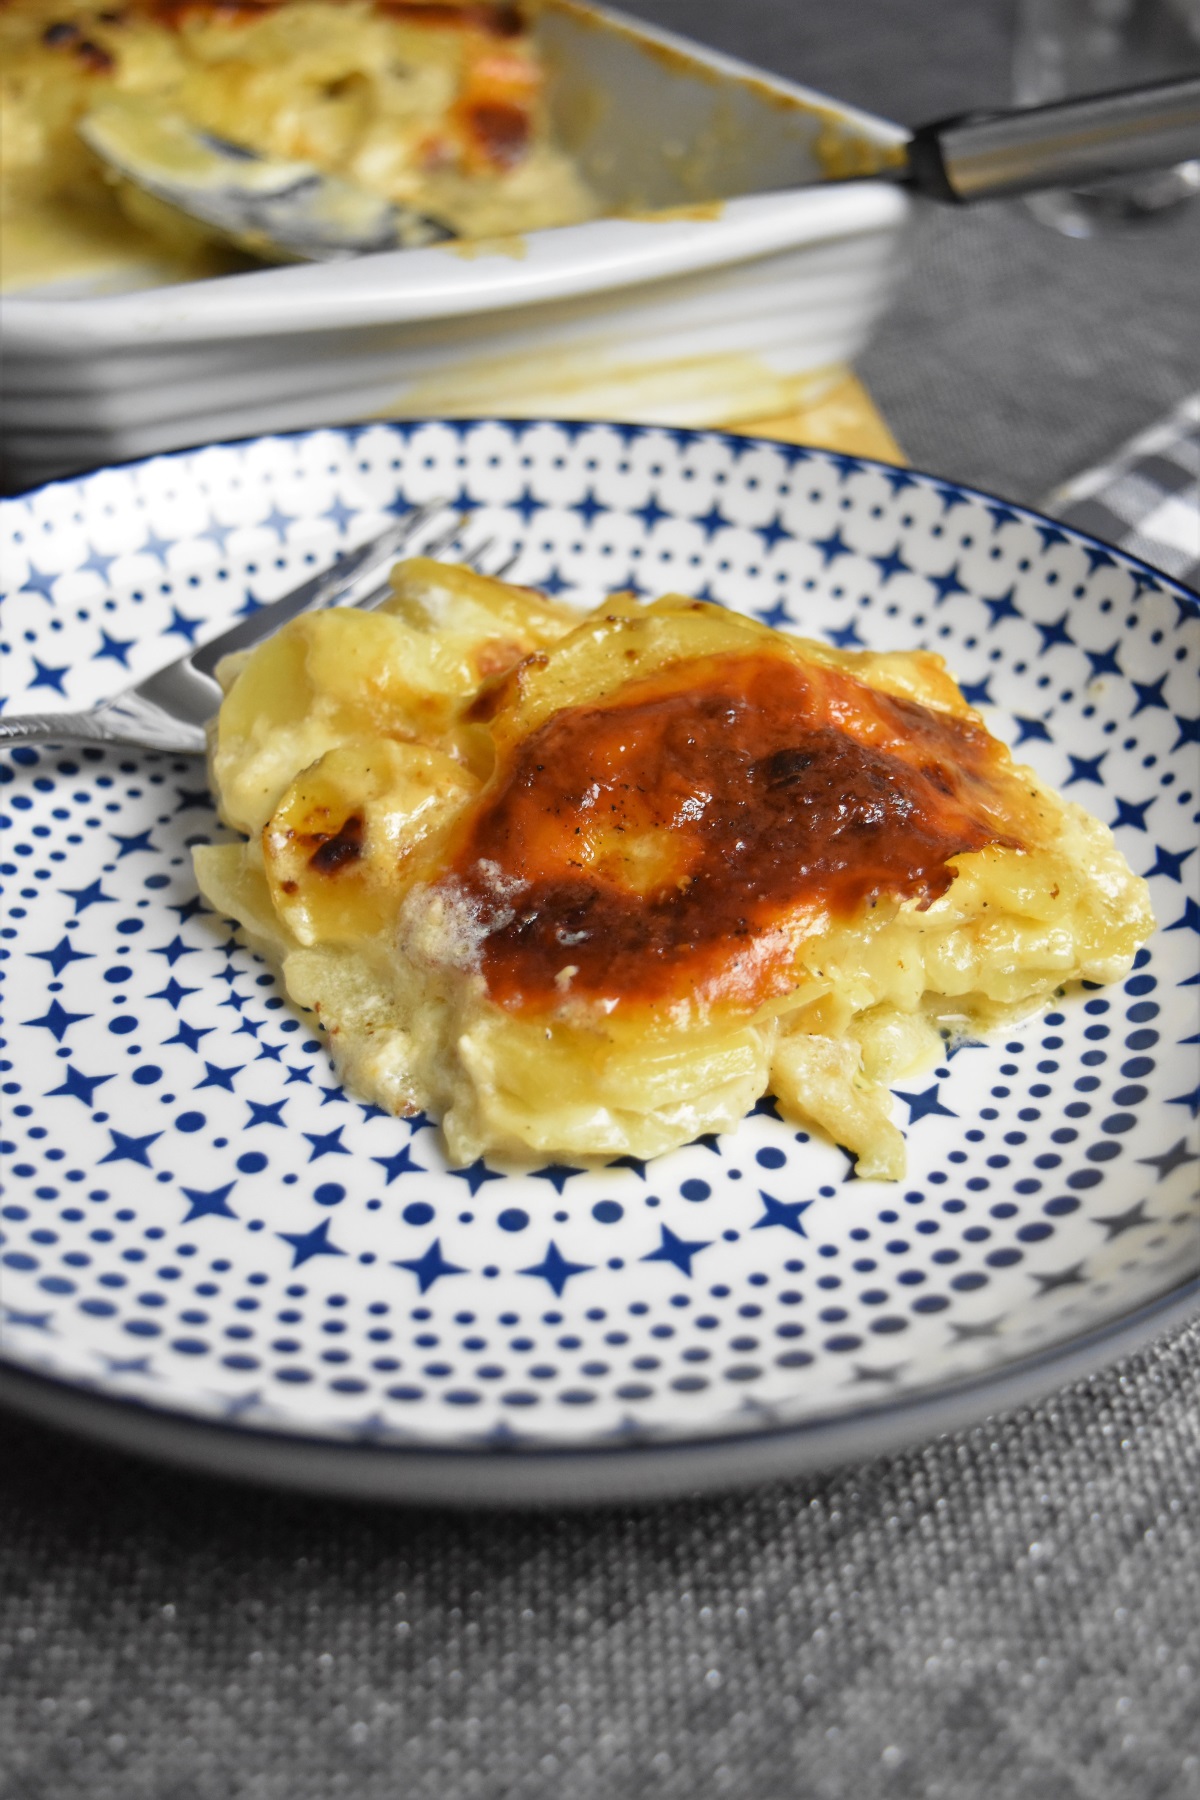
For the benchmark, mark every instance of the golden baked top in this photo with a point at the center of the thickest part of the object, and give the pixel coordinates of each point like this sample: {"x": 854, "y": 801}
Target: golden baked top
{"x": 681, "y": 833}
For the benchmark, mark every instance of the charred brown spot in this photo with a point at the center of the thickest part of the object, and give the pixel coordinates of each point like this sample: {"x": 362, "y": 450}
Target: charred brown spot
{"x": 174, "y": 13}
{"x": 500, "y": 689}
{"x": 343, "y": 85}
{"x": 497, "y": 655}
{"x": 345, "y": 846}
{"x": 501, "y": 130}
{"x": 784, "y": 767}
{"x": 475, "y": 15}
{"x": 939, "y": 777}
{"x": 94, "y": 57}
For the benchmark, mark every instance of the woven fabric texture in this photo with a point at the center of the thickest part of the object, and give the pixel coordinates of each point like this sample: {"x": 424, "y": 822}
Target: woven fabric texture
{"x": 1147, "y": 497}
{"x": 1008, "y": 1613}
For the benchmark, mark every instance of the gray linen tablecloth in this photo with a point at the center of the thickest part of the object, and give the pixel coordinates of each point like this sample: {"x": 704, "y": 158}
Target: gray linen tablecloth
{"x": 1011, "y": 1611}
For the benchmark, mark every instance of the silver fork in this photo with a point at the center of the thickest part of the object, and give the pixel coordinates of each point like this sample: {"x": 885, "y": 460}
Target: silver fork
{"x": 169, "y": 709}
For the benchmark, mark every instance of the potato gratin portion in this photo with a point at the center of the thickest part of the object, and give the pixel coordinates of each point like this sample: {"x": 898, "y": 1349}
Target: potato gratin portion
{"x": 591, "y": 886}
{"x": 435, "y": 103}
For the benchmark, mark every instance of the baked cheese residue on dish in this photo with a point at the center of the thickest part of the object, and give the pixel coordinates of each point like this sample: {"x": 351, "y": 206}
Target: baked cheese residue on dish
{"x": 590, "y": 886}
{"x": 435, "y": 103}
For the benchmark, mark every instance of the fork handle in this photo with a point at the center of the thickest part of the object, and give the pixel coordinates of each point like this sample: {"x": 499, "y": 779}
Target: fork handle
{"x": 45, "y": 728}
{"x": 131, "y": 719}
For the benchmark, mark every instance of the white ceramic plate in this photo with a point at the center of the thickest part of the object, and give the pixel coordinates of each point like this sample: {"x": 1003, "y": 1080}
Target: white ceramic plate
{"x": 211, "y": 1251}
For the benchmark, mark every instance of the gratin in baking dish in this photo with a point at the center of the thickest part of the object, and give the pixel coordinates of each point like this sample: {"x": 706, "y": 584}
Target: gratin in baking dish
{"x": 721, "y": 289}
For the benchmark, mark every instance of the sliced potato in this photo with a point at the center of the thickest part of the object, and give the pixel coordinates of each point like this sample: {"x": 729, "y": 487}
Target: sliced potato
{"x": 337, "y": 849}
{"x": 404, "y": 671}
{"x": 821, "y": 1080}
{"x": 480, "y": 627}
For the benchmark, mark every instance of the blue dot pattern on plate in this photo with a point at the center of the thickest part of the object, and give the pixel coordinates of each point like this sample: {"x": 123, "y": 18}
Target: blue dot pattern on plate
{"x": 197, "y": 1216}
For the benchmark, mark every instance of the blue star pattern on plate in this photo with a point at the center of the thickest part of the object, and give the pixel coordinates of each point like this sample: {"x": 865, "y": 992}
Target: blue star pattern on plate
{"x": 197, "y": 1218}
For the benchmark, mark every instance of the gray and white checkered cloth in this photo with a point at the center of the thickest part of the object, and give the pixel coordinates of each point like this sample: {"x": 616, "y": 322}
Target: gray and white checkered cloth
{"x": 1146, "y": 498}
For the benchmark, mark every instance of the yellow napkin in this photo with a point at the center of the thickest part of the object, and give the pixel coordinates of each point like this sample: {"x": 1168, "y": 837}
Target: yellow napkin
{"x": 842, "y": 417}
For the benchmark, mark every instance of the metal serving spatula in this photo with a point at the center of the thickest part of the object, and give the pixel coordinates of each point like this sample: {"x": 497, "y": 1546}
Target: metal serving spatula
{"x": 284, "y": 211}
{"x": 278, "y": 209}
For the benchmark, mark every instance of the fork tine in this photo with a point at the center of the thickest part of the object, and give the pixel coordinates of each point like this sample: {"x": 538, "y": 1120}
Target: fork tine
{"x": 445, "y": 539}
{"x": 332, "y": 584}
{"x": 510, "y": 562}
{"x": 473, "y": 559}
{"x": 375, "y": 598}
{"x": 168, "y": 710}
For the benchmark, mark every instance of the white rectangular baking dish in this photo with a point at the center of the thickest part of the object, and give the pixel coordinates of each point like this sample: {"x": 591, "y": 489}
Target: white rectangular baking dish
{"x": 713, "y": 313}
